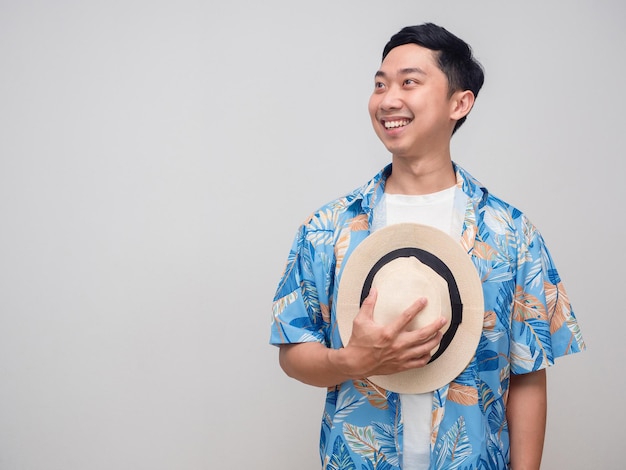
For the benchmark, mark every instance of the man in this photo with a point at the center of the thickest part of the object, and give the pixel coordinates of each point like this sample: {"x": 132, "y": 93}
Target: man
{"x": 493, "y": 414}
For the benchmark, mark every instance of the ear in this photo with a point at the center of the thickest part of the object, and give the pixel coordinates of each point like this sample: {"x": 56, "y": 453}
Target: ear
{"x": 461, "y": 104}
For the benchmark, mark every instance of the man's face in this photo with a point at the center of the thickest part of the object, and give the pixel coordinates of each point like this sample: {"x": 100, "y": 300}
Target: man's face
{"x": 410, "y": 107}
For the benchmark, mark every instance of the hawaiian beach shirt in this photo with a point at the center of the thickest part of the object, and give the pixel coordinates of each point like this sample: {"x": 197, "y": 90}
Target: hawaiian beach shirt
{"x": 528, "y": 322}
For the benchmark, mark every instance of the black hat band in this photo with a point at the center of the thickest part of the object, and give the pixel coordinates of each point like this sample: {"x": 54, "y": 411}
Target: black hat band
{"x": 442, "y": 270}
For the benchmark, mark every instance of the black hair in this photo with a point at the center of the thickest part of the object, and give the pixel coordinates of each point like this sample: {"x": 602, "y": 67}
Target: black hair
{"x": 454, "y": 56}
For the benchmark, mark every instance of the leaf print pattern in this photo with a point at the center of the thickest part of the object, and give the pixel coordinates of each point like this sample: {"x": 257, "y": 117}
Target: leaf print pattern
{"x": 486, "y": 397}
{"x": 463, "y": 394}
{"x": 325, "y": 309}
{"x": 347, "y": 402}
{"x": 341, "y": 247}
{"x": 340, "y": 458}
{"x": 496, "y": 417}
{"x": 558, "y": 305}
{"x": 484, "y": 251}
{"x": 357, "y": 224}
{"x": 533, "y": 270}
{"x": 278, "y": 307}
{"x": 454, "y": 447}
{"x": 362, "y": 440}
{"x": 439, "y": 399}
{"x": 489, "y": 320}
{"x": 311, "y": 300}
{"x": 468, "y": 238}
{"x": 281, "y": 304}
{"x": 577, "y": 337}
{"x": 386, "y": 436}
{"x": 374, "y": 394}
{"x": 527, "y": 306}
{"x": 496, "y": 218}
{"x": 321, "y": 227}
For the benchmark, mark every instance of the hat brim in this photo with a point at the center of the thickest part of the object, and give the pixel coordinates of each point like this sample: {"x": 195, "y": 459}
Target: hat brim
{"x": 462, "y": 342}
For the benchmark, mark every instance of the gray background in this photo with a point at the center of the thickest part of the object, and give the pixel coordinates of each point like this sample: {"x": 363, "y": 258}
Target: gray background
{"x": 157, "y": 157}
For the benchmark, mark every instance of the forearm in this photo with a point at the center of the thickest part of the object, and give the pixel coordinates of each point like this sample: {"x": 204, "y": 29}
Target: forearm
{"x": 526, "y": 415}
{"x": 314, "y": 364}
{"x": 372, "y": 349}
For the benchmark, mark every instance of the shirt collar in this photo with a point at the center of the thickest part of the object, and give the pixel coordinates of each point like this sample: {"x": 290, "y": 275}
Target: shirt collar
{"x": 371, "y": 193}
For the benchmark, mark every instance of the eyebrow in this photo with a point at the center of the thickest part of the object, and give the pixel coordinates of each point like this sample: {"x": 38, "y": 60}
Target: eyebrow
{"x": 405, "y": 71}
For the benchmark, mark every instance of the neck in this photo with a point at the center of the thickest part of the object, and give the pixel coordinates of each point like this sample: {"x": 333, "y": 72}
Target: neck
{"x": 420, "y": 175}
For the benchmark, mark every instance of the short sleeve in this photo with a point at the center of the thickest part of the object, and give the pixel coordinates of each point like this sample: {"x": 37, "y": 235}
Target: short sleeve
{"x": 296, "y": 312}
{"x": 543, "y": 325}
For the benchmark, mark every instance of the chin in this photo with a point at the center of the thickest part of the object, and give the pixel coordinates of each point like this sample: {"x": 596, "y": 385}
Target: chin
{"x": 390, "y": 145}
{"x": 397, "y": 151}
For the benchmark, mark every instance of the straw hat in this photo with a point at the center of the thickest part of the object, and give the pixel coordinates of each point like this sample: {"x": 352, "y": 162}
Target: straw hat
{"x": 404, "y": 262}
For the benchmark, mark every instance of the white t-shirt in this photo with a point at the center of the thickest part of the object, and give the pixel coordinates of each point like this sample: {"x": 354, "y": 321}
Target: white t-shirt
{"x": 436, "y": 210}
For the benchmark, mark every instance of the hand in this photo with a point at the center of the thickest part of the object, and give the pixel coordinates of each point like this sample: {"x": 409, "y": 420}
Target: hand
{"x": 375, "y": 349}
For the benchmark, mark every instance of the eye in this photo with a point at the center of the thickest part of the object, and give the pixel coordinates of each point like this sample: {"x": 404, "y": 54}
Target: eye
{"x": 410, "y": 81}
{"x": 379, "y": 85}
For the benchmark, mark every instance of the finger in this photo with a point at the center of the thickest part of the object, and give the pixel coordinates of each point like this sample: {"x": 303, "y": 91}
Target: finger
{"x": 367, "y": 307}
{"x": 424, "y": 351}
{"x": 430, "y": 331}
{"x": 406, "y": 317}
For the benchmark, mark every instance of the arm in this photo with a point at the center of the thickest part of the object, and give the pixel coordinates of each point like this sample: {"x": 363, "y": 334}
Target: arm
{"x": 526, "y": 414}
{"x": 373, "y": 349}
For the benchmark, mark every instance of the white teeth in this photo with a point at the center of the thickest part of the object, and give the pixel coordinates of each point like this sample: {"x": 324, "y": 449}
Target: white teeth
{"x": 394, "y": 124}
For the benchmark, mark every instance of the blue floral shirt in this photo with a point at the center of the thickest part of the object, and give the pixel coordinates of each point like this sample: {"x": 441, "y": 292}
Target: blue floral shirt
{"x": 528, "y": 322}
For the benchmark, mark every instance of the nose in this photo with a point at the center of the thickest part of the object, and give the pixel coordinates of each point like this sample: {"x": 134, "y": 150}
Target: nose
{"x": 391, "y": 99}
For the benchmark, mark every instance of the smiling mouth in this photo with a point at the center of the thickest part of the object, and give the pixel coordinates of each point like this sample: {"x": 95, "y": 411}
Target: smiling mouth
{"x": 396, "y": 123}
